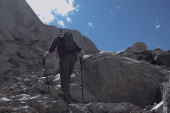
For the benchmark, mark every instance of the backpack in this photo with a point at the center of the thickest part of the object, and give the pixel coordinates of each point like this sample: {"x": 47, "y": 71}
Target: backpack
{"x": 68, "y": 43}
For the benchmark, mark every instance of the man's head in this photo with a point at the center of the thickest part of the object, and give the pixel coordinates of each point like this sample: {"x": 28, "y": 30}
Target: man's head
{"x": 59, "y": 35}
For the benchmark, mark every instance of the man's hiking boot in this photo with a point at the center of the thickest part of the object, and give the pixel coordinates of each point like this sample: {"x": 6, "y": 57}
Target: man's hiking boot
{"x": 66, "y": 99}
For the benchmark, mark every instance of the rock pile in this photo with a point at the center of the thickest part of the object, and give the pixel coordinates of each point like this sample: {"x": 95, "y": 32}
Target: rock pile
{"x": 29, "y": 94}
{"x": 156, "y": 57}
{"x": 139, "y": 51}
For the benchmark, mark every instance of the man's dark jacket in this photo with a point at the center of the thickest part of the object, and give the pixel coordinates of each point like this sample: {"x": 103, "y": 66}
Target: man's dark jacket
{"x": 57, "y": 42}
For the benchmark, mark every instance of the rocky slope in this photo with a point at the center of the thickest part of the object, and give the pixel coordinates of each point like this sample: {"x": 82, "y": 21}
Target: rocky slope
{"x": 112, "y": 84}
{"x": 132, "y": 81}
{"x": 24, "y": 38}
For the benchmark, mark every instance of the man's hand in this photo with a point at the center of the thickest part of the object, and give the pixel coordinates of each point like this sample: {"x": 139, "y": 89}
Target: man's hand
{"x": 45, "y": 56}
{"x": 81, "y": 54}
{"x": 59, "y": 35}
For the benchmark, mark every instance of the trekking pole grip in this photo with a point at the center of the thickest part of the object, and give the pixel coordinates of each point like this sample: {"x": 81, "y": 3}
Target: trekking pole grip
{"x": 43, "y": 61}
{"x": 80, "y": 60}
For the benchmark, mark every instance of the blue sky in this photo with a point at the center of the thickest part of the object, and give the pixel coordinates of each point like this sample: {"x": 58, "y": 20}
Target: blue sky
{"x": 113, "y": 25}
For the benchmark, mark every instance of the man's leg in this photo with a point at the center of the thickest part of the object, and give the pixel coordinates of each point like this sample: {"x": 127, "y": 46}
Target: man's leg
{"x": 66, "y": 69}
{"x": 64, "y": 76}
{"x": 72, "y": 64}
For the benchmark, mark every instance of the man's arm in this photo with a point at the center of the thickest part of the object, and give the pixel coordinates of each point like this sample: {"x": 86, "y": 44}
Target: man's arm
{"x": 52, "y": 46}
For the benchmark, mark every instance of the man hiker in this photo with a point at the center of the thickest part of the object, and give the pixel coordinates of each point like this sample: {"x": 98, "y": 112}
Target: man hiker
{"x": 68, "y": 52}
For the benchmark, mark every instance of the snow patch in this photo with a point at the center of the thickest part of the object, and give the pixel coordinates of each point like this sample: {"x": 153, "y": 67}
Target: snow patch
{"x": 104, "y": 52}
{"x": 131, "y": 60}
{"x": 4, "y": 99}
{"x": 87, "y": 56}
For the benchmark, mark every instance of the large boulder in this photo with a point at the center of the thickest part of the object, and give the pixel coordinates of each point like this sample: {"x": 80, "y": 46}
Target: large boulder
{"x": 137, "y": 47}
{"x": 135, "y": 51}
{"x": 112, "y": 78}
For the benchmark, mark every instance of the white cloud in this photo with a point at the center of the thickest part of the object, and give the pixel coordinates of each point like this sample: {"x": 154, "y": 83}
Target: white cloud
{"x": 157, "y": 24}
{"x": 111, "y": 12}
{"x": 69, "y": 19}
{"x": 118, "y": 7}
{"x": 60, "y": 22}
{"x": 48, "y": 9}
{"x": 157, "y": 27}
{"x": 90, "y": 24}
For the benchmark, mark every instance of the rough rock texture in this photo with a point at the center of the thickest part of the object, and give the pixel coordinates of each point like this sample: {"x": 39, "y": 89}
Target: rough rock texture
{"x": 162, "y": 57}
{"x": 29, "y": 94}
{"x": 166, "y": 97}
{"x": 111, "y": 78}
{"x": 113, "y": 83}
{"x": 156, "y": 56}
{"x": 24, "y": 39}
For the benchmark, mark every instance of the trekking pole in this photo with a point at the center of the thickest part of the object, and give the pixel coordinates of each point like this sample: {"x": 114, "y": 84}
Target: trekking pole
{"x": 46, "y": 77}
{"x": 81, "y": 79}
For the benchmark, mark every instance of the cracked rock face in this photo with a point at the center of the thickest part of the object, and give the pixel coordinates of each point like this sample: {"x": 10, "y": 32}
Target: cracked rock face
{"x": 111, "y": 78}
{"x": 166, "y": 97}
